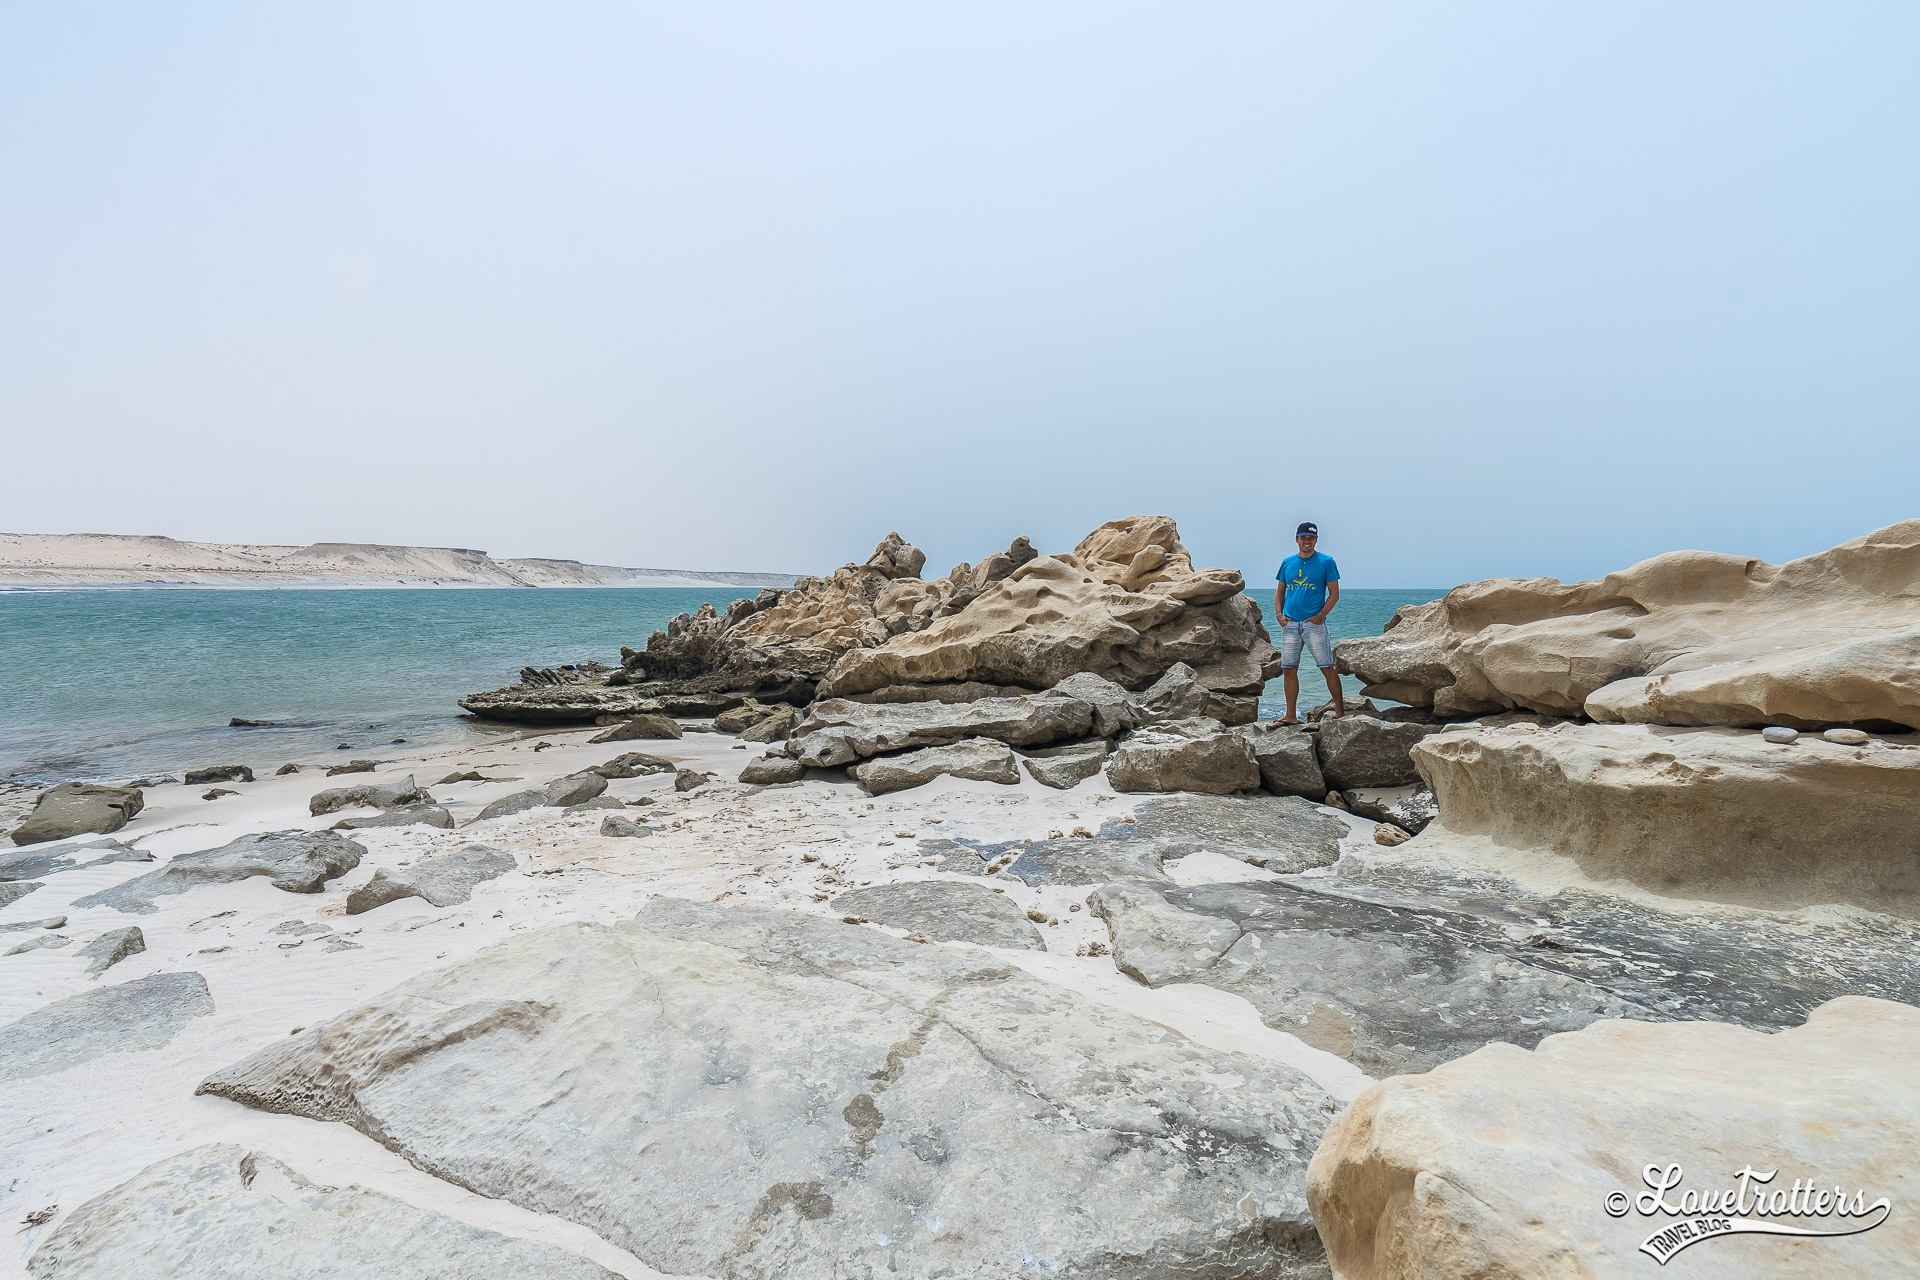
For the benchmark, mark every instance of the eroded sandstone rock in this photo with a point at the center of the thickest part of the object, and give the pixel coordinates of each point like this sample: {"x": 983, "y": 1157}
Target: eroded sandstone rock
{"x": 1183, "y": 755}
{"x": 78, "y": 808}
{"x": 443, "y": 881}
{"x": 838, "y": 732}
{"x": 1502, "y": 1163}
{"x": 296, "y": 861}
{"x": 143, "y": 1014}
{"x": 981, "y": 759}
{"x": 1687, "y": 638}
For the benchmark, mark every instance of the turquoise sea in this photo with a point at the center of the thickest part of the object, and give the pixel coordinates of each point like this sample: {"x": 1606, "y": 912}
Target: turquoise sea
{"x": 117, "y": 683}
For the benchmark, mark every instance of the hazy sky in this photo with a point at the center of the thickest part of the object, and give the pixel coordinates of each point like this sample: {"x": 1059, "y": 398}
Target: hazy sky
{"x": 1483, "y": 288}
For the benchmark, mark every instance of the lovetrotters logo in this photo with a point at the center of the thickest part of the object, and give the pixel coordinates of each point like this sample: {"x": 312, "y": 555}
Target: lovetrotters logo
{"x": 1754, "y": 1205}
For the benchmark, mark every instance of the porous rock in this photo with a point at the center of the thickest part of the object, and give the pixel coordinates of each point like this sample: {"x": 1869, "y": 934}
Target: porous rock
{"x": 222, "y": 1212}
{"x": 78, "y": 808}
{"x": 1183, "y": 755}
{"x": 443, "y": 881}
{"x": 944, "y": 911}
{"x": 132, "y": 1016}
{"x": 1699, "y": 813}
{"x": 746, "y": 1092}
{"x": 981, "y": 759}
{"x": 1689, "y": 638}
{"x": 1468, "y": 1170}
{"x": 296, "y": 861}
{"x": 640, "y": 726}
{"x": 219, "y": 773}
{"x": 1409, "y": 808}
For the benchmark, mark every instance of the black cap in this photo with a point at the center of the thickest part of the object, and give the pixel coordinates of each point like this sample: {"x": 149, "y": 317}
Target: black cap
{"x": 1307, "y": 529}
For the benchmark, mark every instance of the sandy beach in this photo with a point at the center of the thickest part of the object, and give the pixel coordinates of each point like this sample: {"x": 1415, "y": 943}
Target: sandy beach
{"x": 73, "y": 1134}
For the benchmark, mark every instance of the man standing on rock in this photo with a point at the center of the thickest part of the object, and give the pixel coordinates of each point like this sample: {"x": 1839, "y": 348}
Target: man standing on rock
{"x": 1309, "y": 587}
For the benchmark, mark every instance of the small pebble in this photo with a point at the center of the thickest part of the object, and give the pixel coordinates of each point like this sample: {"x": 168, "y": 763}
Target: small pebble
{"x": 1779, "y": 733}
{"x": 1846, "y": 737}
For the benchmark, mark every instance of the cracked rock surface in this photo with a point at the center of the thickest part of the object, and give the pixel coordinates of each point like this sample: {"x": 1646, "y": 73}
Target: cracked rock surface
{"x": 297, "y": 861}
{"x": 739, "y": 1092}
{"x": 222, "y": 1212}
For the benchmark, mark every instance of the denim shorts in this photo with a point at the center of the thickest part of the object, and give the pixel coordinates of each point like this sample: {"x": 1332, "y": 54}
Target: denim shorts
{"x": 1313, "y": 635}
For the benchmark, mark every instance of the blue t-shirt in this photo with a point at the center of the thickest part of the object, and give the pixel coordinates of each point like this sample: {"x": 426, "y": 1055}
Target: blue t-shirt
{"x": 1306, "y": 584}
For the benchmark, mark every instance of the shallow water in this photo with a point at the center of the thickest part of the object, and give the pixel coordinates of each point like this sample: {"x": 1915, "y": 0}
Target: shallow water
{"x": 113, "y": 684}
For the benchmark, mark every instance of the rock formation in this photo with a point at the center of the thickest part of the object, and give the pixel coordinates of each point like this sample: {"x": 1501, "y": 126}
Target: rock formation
{"x": 78, "y": 808}
{"x": 748, "y": 1092}
{"x": 1687, "y": 638}
{"x": 1126, "y": 604}
{"x": 296, "y": 861}
{"x": 1507, "y": 1163}
{"x": 1702, "y": 813}
{"x": 142, "y": 1014}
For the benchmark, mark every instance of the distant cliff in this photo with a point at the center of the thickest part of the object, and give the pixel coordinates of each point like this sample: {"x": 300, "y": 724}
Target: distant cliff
{"x": 116, "y": 560}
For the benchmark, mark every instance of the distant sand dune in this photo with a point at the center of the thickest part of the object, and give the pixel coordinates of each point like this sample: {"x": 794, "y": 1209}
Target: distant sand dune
{"x": 110, "y": 560}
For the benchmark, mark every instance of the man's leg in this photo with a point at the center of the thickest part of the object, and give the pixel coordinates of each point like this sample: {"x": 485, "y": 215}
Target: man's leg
{"x": 1291, "y": 678}
{"x": 1289, "y": 672}
{"x": 1332, "y": 675}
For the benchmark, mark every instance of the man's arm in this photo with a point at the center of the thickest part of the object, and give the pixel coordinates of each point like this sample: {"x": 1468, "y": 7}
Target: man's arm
{"x": 1333, "y": 598}
{"x": 1279, "y": 596}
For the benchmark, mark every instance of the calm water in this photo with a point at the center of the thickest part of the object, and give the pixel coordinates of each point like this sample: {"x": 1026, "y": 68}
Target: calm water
{"x": 111, "y": 684}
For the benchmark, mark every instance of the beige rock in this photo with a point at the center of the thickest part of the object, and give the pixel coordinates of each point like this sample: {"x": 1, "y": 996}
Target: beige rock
{"x": 1126, "y": 604}
{"x": 1184, "y": 755}
{"x": 1686, "y": 638}
{"x": 1500, "y": 1165}
{"x": 1705, "y": 813}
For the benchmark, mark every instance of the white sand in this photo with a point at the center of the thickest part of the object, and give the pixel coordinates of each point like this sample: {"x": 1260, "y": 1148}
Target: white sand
{"x": 105, "y": 559}
{"x": 71, "y": 1135}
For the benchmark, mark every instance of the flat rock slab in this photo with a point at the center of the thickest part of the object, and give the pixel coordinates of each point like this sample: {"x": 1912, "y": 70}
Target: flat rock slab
{"x": 297, "y": 861}
{"x": 222, "y": 1212}
{"x": 1401, "y": 977}
{"x": 383, "y": 795}
{"x": 67, "y": 857}
{"x": 143, "y": 1014}
{"x": 430, "y": 815}
{"x": 837, "y": 732}
{"x": 1064, "y": 768}
{"x": 1280, "y": 833}
{"x": 1503, "y": 1163}
{"x": 945, "y": 911}
{"x": 634, "y": 764}
{"x": 740, "y": 1092}
{"x": 980, "y": 759}
{"x": 443, "y": 881}
{"x": 12, "y": 891}
{"x": 640, "y": 726}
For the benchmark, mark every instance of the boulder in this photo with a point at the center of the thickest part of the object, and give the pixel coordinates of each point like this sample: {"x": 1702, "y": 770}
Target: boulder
{"x": 1288, "y": 763}
{"x": 219, "y": 773}
{"x": 221, "y": 1212}
{"x": 1690, "y": 638}
{"x": 837, "y": 732}
{"x": 1469, "y": 1170}
{"x": 770, "y": 770}
{"x": 980, "y": 759}
{"x": 690, "y": 779}
{"x": 431, "y": 815}
{"x": 1700, "y": 813}
{"x": 944, "y": 911}
{"x": 1114, "y": 709}
{"x": 443, "y": 881}
{"x": 614, "y": 825}
{"x": 382, "y": 795}
{"x": 296, "y": 861}
{"x": 597, "y": 802}
{"x": 1183, "y": 755}
{"x": 78, "y": 808}
{"x": 745, "y": 716}
{"x": 641, "y": 726}
{"x": 773, "y": 728}
{"x": 111, "y": 947}
{"x": 574, "y": 788}
{"x": 1229, "y": 709}
{"x": 1064, "y": 767}
{"x": 1360, "y": 751}
{"x": 634, "y": 764}
{"x": 67, "y": 857}
{"x": 1177, "y": 695}
{"x": 285, "y": 769}
{"x": 126, "y": 1018}
{"x": 1409, "y": 808}
{"x": 353, "y": 766}
{"x": 1126, "y": 604}
{"x": 737, "y": 1092}
{"x": 506, "y": 806}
